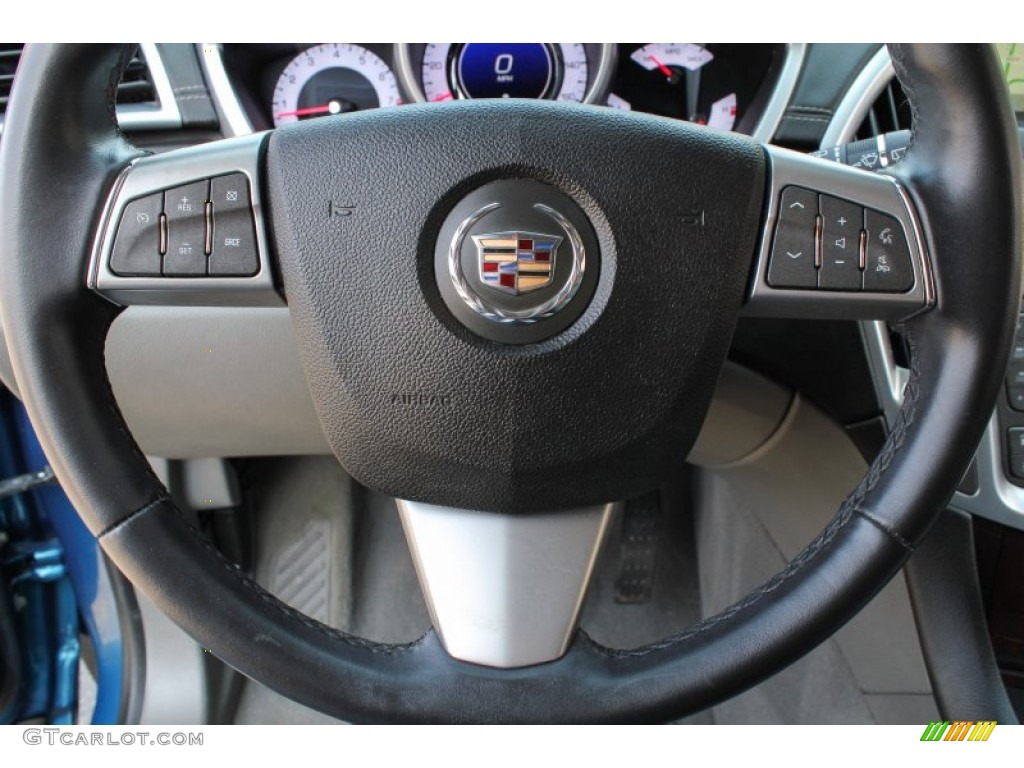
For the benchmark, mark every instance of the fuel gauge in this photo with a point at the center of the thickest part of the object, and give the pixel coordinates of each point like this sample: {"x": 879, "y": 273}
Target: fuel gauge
{"x": 680, "y": 65}
{"x": 687, "y": 81}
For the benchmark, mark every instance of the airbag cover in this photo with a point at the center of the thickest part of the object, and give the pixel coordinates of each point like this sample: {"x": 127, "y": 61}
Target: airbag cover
{"x": 416, "y": 405}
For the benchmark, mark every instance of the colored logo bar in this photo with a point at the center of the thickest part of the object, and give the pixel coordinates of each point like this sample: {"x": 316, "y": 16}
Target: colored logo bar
{"x": 959, "y": 730}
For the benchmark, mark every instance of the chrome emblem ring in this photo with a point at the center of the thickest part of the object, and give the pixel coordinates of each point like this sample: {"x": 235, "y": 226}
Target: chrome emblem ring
{"x": 518, "y": 263}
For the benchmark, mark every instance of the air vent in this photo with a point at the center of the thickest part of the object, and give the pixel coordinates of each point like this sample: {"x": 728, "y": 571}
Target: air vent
{"x": 890, "y": 112}
{"x": 9, "y": 55}
{"x": 136, "y": 87}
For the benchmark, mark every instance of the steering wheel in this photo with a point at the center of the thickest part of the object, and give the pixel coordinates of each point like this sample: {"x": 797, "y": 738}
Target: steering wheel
{"x": 519, "y": 309}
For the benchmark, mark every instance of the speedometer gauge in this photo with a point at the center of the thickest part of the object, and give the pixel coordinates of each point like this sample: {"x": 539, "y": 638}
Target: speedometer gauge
{"x": 331, "y": 79}
{"x": 505, "y": 70}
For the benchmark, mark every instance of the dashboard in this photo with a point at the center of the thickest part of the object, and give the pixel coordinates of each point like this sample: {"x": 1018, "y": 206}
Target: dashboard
{"x": 722, "y": 86}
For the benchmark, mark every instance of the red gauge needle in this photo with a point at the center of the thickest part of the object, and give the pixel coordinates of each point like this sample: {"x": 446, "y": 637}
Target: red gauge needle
{"x": 443, "y": 97}
{"x": 664, "y": 70}
{"x": 326, "y": 109}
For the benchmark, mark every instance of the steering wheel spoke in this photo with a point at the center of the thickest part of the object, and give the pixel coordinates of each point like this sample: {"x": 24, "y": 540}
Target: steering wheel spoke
{"x": 187, "y": 228}
{"x": 838, "y": 243}
{"x": 502, "y": 590}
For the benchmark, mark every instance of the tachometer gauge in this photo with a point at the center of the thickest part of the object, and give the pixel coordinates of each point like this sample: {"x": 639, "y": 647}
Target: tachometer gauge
{"x": 505, "y": 70}
{"x": 332, "y": 79}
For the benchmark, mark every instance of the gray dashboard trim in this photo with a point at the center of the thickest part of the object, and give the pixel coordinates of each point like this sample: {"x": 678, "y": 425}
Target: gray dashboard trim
{"x": 195, "y": 382}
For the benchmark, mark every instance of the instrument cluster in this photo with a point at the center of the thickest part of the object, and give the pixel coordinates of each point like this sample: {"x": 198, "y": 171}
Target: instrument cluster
{"x": 722, "y": 86}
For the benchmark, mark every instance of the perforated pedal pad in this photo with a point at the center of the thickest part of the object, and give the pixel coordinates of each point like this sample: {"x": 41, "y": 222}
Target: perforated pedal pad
{"x": 638, "y": 549}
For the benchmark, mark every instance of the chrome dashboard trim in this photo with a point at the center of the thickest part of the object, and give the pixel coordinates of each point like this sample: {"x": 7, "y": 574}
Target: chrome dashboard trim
{"x": 233, "y": 120}
{"x": 401, "y": 58}
{"x": 785, "y": 85}
{"x": 603, "y": 77}
{"x": 889, "y": 379}
{"x": 997, "y": 498}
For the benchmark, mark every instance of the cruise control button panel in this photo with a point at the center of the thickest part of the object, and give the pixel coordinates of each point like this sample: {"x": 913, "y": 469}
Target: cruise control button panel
{"x": 185, "y": 228}
{"x": 826, "y": 243}
{"x": 203, "y": 228}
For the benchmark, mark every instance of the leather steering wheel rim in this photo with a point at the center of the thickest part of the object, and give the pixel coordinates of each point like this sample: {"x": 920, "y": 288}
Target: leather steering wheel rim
{"x": 963, "y": 168}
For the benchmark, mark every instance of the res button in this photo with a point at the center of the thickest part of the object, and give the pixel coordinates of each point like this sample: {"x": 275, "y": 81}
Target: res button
{"x": 185, "y": 208}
